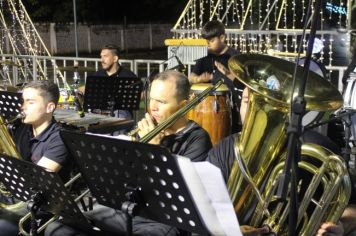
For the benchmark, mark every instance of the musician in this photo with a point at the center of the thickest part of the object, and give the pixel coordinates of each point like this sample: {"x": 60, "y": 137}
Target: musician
{"x": 109, "y": 58}
{"x": 169, "y": 92}
{"x": 205, "y": 70}
{"x": 223, "y": 156}
{"x": 37, "y": 140}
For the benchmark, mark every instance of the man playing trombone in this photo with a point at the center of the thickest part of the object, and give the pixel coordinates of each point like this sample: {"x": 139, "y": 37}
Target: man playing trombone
{"x": 169, "y": 93}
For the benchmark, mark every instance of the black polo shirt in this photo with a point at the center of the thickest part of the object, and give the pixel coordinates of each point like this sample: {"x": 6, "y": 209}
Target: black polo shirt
{"x": 48, "y": 144}
{"x": 121, "y": 73}
{"x": 192, "y": 142}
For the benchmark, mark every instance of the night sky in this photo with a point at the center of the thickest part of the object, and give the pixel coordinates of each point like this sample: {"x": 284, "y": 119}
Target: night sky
{"x": 106, "y": 11}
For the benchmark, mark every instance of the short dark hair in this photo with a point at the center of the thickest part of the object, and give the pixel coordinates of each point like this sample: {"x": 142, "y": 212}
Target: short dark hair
{"x": 48, "y": 90}
{"x": 212, "y": 29}
{"x": 182, "y": 83}
{"x": 113, "y": 48}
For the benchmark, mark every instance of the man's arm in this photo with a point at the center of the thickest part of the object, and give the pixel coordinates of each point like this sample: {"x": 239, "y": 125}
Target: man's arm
{"x": 49, "y": 165}
{"x": 346, "y": 225}
{"x": 55, "y": 154}
{"x": 203, "y": 78}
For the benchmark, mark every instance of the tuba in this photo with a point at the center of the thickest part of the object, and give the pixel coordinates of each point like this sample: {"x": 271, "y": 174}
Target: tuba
{"x": 7, "y": 146}
{"x": 323, "y": 190}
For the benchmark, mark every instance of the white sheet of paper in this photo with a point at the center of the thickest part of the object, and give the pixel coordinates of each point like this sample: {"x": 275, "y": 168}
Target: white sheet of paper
{"x": 210, "y": 194}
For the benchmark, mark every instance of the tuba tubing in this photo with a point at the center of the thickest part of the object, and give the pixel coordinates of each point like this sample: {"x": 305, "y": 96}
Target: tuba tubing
{"x": 260, "y": 151}
{"x": 43, "y": 227}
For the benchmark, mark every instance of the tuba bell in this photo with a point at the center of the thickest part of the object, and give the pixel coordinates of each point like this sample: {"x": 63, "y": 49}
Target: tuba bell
{"x": 260, "y": 150}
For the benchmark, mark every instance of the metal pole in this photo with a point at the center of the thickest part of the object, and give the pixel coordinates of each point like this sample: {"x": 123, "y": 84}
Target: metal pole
{"x": 75, "y": 28}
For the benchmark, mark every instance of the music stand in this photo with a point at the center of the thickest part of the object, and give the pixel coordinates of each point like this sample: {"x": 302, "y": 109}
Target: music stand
{"x": 45, "y": 190}
{"x": 10, "y": 105}
{"x": 137, "y": 178}
{"x": 107, "y": 93}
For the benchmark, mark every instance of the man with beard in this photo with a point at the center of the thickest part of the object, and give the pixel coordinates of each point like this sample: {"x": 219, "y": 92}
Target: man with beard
{"x": 111, "y": 68}
{"x": 110, "y": 64}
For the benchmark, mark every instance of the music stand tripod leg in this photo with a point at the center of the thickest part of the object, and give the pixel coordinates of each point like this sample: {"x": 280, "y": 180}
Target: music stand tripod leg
{"x": 34, "y": 205}
{"x": 130, "y": 207}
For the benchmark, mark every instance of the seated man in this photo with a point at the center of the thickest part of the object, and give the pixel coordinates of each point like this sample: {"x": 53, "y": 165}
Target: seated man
{"x": 223, "y": 156}
{"x": 37, "y": 140}
{"x": 168, "y": 93}
{"x": 109, "y": 58}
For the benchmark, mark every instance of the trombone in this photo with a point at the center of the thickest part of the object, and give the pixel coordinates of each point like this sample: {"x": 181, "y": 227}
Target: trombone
{"x": 145, "y": 139}
{"x": 181, "y": 112}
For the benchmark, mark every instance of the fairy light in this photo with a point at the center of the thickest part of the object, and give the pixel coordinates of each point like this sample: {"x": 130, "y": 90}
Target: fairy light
{"x": 201, "y": 6}
{"x": 260, "y": 42}
{"x": 322, "y": 51}
{"x": 234, "y": 11}
{"x": 331, "y": 40}
{"x": 227, "y": 6}
{"x": 303, "y": 11}
{"x": 251, "y": 14}
{"x": 294, "y": 43}
{"x": 235, "y": 42}
{"x": 259, "y": 14}
{"x": 285, "y": 14}
{"x": 294, "y": 15}
{"x": 267, "y": 10}
{"x": 340, "y": 12}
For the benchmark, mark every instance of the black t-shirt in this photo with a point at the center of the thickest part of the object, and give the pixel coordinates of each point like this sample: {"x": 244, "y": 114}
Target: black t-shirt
{"x": 207, "y": 64}
{"x": 223, "y": 155}
{"x": 48, "y": 144}
{"x": 192, "y": 142}
{"x": 121, "y": 73}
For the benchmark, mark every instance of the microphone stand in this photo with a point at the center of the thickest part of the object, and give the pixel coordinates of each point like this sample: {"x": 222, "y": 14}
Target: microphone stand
{"x": 294, "y": 128}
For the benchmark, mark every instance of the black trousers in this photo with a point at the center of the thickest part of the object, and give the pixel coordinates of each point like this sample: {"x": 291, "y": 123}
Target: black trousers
{"x": 112, "y": 222}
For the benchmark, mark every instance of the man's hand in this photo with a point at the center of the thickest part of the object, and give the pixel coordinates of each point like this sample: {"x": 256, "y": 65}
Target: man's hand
{"x": 225, "y": 71}
{"x": 205, "y": 78}
{"x": 330, "y": 229}
{"x": 145, "y": 126}
{"x": 251, "y": 231}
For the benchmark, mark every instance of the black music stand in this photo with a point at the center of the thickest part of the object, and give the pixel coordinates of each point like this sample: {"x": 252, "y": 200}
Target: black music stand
{"x": 44, "y": 190}
{"x": 10, "y": 105}
{"x": 137, "y": 178}
{"x": 108, "y": 93}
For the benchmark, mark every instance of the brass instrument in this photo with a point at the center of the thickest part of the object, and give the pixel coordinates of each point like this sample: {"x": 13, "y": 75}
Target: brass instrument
{"x": 181, "y": 112}
{"x": 165, "y": 124}
{"x": 43, "y": 227}
{"x": 7, "y": 146}
{"x": 260, "y": 151}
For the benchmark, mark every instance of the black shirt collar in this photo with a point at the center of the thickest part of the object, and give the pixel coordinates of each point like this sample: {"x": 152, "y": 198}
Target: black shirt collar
{"x": 45, "y": 133}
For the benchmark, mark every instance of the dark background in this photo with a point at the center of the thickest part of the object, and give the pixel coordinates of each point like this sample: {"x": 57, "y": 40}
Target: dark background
{"x": 106, "y": 11}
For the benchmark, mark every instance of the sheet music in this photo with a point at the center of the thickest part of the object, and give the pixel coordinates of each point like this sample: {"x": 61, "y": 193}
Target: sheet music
{"x": 209, "y": 192}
